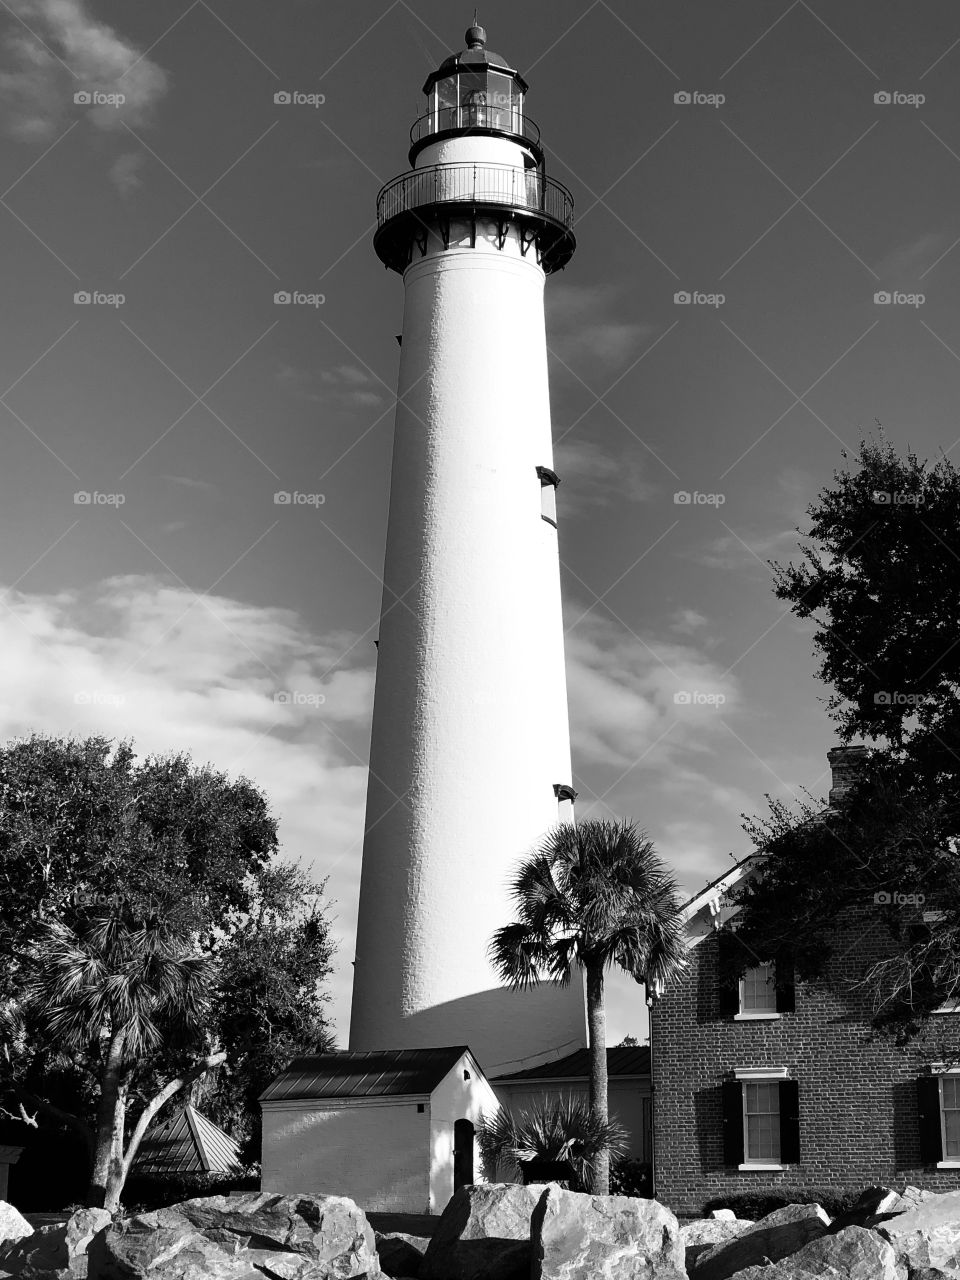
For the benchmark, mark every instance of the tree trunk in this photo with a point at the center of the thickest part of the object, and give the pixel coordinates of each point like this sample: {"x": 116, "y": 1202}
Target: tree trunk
{"x": 108, "y": 1137}
{"x": 597, "y": 1031}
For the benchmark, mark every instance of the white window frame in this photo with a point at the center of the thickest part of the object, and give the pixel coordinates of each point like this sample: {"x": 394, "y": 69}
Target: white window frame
{"x": 757, "y": 1075}
{"x": 941, "y": 1071}
{"x": 756, "y": 1015}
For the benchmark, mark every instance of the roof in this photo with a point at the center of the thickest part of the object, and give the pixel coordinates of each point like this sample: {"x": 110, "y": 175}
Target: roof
{"x": 626, "y": 1061}
{"x": 187, "y": 1143}
{"x": 373, "y": 1073}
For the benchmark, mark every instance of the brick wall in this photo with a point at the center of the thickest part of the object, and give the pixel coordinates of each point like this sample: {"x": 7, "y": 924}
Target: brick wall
{"x": 858, "y": 1094}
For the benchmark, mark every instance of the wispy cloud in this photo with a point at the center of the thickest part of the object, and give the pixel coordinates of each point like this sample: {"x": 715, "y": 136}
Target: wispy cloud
{"x": 345, "y": 386}
{"x": 135, "y": 657}
{"x": 125, "y": 172}
{"x": 593, "y": 478}
{"x": 588, "y": 328}
{"x": 54, "y": 49}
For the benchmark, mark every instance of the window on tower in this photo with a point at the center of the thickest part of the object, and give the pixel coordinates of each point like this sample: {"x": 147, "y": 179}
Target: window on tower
{"x": 548, "y": 494}
{"x": 565, "y": 797}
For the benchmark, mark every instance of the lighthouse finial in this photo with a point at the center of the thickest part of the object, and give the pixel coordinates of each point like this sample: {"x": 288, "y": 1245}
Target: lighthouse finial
{"x": 475, "y": 37}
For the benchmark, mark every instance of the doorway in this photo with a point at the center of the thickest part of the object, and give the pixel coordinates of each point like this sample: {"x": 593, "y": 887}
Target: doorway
{"x": 463, "y": 1143}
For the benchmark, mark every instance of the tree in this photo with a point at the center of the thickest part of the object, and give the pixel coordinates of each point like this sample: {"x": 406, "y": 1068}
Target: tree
{"x": 155, "y": 943}
{"x": 880, "y": 577}
{"x": 594, "y": 896}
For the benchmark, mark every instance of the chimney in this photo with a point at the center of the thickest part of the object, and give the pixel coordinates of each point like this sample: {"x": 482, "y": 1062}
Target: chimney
{"x": 845, "y": 766}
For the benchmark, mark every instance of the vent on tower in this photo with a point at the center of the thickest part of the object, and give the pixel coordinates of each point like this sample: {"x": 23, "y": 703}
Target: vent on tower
{"x": 565, "y": 797}
{"x": 548, "y": 494}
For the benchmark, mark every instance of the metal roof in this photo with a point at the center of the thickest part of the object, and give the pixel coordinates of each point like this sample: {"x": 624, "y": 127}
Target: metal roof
{"x": 373, "y": 1073}
{"x": 626, "y": 1061}
{"x": 187, "y": 1143}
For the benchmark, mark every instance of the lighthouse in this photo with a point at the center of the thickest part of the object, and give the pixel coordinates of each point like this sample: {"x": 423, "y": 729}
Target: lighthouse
{"x": 470, "y": 750}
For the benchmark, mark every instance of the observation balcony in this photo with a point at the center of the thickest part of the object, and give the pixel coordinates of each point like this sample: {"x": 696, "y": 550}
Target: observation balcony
{"x": 424, "y": 199}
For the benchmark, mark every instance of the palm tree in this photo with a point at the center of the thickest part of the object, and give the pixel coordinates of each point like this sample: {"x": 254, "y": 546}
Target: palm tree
{"x": 593, "y": 895}
{"x": 564, "y": 1129}
{"x": 115, "y": 988}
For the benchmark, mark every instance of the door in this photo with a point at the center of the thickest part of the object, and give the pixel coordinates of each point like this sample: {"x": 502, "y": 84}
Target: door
{"x": 462, "y": 1154}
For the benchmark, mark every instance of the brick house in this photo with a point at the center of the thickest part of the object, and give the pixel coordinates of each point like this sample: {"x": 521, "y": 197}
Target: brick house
{"x": 762, "y": 1083}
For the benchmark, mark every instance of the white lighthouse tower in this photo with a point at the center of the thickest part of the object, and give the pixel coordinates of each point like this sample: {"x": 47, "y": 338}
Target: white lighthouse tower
{"x": 470, "y": 754}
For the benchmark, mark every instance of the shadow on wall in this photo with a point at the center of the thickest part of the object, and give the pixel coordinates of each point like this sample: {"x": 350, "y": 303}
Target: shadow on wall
{"x": 537, "y": 1017}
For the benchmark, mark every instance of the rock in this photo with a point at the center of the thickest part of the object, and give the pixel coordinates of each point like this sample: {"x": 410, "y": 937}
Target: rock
{"x": 400, "y": 1254}
{"x": 582, "y": 1237}
{"x": 56, "y": 1250}
{"x": 243, "y": 1237}
{"x": 723, "y": 1215}
{"x": 699, "y": 1235}
{"x": 483, "y": 1234}
{"x": 872, "y": 1206}
{"x": 854, "y": 1253}
{"x": 776, "y": 1236}
{"x": 13, "y": 1225}
{"x": 928, "y": 1234}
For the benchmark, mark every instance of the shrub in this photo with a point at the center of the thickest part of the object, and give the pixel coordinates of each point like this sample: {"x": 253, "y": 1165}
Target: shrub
{"x": 564, "y": 1129}
{"x": 757, "y": 1204}
{"x": 144, "y": 1192}
{"x": 631, "y": 1177}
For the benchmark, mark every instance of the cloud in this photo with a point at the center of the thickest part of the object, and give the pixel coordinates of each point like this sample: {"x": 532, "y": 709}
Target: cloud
{"x": 591, "y": 477}
{"x": 136, "y": 657}
{"x": 622, "y": 689}
{"x": 56, "y": 50}
{"x": 125, "y": 172}
{"x": 345, "y": 386}
{"x": 901, "y": 267}
{"x": 586, "y": 331}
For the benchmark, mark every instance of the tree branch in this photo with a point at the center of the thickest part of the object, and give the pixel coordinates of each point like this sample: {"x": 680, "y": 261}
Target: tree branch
{"x": 165, "y": 1094}
{"x": 57, "y": 1113}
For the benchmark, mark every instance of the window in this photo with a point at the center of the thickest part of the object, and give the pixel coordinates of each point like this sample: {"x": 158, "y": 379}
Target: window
{"x": 761, "y": 1122}
{"x": 761, "y": 1119}
{"x": 950, "y": 1116}
{"x": 548, "y": 494}
{"x": 747, "y": 988}
{"x": 938, "y": 1112}
{"x": 565, "y": 797}
{"x": 758, "y": 992}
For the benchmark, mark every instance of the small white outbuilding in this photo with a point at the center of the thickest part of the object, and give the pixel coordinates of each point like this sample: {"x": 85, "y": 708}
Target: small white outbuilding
{"x": 392, "y": 1129}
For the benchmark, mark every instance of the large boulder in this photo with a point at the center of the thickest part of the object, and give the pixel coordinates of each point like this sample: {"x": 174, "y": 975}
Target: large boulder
{"x": 927, "y": 1235}
{"x": 699, "y": 1235}
{"x": 55, "y": 1250}
{"x": 853, "y": 1253}
{"x": 13, "y": 1225}
{"x": 582, "y": 1237}
{"x": 244, "y": 1237}
{"x": 483, "y": 1234}
{"x": 776, "y": 1236}
{"x": 401, "y": 1254}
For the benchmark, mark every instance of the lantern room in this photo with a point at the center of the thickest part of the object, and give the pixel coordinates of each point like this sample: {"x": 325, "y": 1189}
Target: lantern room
{"x": 474, "y": 92}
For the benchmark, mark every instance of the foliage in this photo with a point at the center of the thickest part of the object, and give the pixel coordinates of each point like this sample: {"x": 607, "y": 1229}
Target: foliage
{"x": 881, "y": 579}
{"x": 154, "y": 944}
{"x": 592, "y": 896}
{"x": 631, "y": 1177}
{"x": 757, "y": 1204}
{"x": 143, "y": 1192}
{"x": 562, "y": 1129}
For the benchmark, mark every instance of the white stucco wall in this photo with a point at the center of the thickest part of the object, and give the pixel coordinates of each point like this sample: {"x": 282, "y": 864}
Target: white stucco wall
{"x": 377, "y": 1153}
{"x": 470, "y": 727}
{"x": 455, "y": 1099}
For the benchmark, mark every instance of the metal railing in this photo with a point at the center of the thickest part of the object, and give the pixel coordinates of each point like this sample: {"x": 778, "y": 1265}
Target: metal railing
{"x": 476, "y": 184}
{"x": 505, "y": 119}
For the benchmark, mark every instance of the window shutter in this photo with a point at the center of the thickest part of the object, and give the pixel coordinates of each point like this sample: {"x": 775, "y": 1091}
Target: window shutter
{"x": 789, "y": 1122}
{"x": 785, "y": 986}
{"x": 728, "y": 975}
{"x": 732, "y": 1100}
{"x": 928, "y": 1112}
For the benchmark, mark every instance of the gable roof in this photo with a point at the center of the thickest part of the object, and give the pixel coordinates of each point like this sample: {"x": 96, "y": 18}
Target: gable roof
{"x": 187, "y": 1143}
{"x": 373, "y": 1073}
{"x": 628, "y": 1060}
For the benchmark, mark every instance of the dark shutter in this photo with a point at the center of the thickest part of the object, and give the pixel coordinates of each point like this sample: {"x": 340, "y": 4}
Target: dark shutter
{"x": 789, "y": 1122}
{"x": 928, "y": 1114}
{"x": 785, "y": 985}
{"x": 732, "y": 1098}
{"x": 728, "y": 975}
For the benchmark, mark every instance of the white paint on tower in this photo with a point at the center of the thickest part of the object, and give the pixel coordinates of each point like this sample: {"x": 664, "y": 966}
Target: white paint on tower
{"x": 470, "y": 727}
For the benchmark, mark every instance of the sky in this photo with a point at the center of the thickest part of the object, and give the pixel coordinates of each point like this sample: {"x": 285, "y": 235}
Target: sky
{"x": 748, "y": 178}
